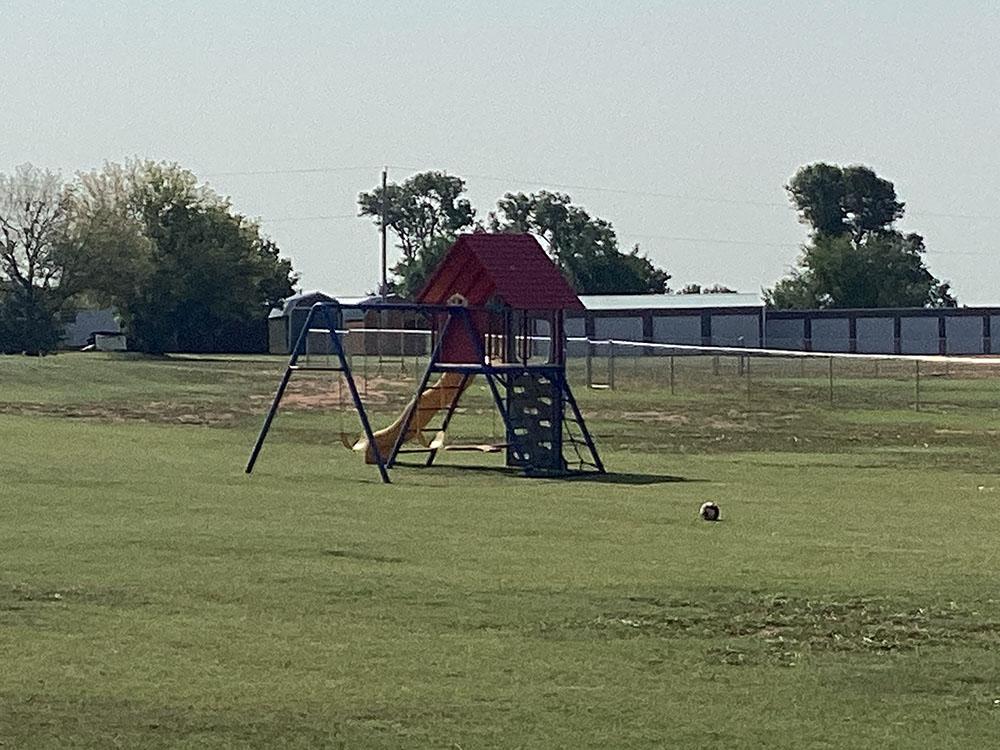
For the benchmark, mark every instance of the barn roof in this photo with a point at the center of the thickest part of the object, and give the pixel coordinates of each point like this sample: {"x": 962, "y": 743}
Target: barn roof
{"x": 511, "y": 267}
{"x": 302, "y": 299}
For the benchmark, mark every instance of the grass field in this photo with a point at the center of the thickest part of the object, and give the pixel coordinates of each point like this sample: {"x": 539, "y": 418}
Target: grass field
{"x": 152, "y": 595}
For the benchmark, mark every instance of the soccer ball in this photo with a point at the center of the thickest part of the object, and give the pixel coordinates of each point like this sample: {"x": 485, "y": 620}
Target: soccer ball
{"x": 709, "y": 512}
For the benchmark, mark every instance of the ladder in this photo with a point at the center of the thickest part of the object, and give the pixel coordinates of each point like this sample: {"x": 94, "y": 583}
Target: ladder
{"x": 576, "y": 434}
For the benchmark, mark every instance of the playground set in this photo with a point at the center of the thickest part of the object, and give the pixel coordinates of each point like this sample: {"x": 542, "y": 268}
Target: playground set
{"x": 485, "y": 302}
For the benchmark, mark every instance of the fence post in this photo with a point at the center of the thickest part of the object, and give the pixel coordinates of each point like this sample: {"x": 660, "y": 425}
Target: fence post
{"x": 364, "y": 370}
{"x": 831, "y": 381}
{"x": 611, "y": 365}
{"x": 671, "y": 374}
{"x": 748, "y": 377}
{"x": 590, "y": 364}
{"x": 918, "y": 384}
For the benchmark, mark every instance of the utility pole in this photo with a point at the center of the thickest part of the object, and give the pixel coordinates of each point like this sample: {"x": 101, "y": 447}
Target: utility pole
{"x": 384, "y": 287}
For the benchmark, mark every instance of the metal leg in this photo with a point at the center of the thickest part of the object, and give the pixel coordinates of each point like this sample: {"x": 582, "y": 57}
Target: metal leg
{"x": 490, "y": 375}
{"x": 583, "y": 427}
{"x": 268, "y": 419}
{"x": 415, "y": 403}
{"x": 448, "y": 415}
{"x": 271, "y": 412}
{"x": 358, "y": 403}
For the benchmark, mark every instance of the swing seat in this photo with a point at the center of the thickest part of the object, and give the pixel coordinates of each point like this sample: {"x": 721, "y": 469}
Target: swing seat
{"x": 434, "y": 443}
{"x": 438, "y": 443}
{"x": 353, "y": 443}
{"x": 482, "y": 447}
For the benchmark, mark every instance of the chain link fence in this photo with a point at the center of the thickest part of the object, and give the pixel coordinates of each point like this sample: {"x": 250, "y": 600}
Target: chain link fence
{"x": 748, "y": 376}
{"x": 741, "y": 376}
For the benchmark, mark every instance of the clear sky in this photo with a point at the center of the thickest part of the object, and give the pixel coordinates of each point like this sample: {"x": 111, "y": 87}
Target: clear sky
{"x": 689, "y": 116}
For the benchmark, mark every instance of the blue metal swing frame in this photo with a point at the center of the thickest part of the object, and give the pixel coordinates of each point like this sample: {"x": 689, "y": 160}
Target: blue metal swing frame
{"x": 329, "y": 312}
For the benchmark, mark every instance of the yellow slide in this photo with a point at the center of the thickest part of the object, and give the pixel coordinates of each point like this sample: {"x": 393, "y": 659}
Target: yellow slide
{"x": 437, "y": 397}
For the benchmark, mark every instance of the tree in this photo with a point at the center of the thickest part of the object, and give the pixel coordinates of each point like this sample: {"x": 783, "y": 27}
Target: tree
{"x": 855, "y": 257}
{"x": 103, "y": 246}
{"x": 31, "y": 212}
{"x": 183, "y": 269}
{"x": 886, "y": 270}
{"x": 426, "y": 213}
{"x": 718, "y": 289}
{"x": 837, "y": 200}
{"x": 699, "y": 289}
{"x": 584, "y": 247}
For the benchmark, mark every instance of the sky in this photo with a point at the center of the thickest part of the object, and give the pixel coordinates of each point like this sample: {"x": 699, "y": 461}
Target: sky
{"x": 678, "y": 122}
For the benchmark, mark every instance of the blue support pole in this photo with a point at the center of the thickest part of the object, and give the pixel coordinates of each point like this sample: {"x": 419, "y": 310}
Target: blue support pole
{"x": 415, "y": 403}
{"x": 289, "y": 369}
{"x": 490, "y": 373}
{"x": 449, "y": 414}
{"x": 578, "y": 416}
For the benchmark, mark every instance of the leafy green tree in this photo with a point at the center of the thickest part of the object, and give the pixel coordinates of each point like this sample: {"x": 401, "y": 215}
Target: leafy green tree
{"x": 855, "y": 257}
{"x": 836, "y": 200}
{"x": 584, "y": 247}
{"x": 103, "y": 245}
{"x": 184, "y": 270}
{"x": 32, "y": 293}
{"x": 885, "y": 270}
{"x": 426, "y": 213}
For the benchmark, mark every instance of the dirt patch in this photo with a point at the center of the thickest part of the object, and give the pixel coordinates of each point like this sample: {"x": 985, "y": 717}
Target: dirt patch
{"x": 655, "y": 416}
{"x": 316, "y": 393}
{"x": 303, "y": 393}
{"x": 155, "y": 411}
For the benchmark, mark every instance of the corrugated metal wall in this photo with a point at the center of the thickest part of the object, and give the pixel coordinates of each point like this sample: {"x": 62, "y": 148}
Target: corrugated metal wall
{"x": 946, "y": 331}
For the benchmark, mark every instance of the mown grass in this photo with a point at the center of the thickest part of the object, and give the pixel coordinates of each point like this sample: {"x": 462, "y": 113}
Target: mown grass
{"x": 152, "y": 595}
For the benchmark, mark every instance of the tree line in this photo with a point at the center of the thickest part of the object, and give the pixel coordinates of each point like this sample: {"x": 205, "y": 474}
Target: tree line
{"x": 184, "y": 271}
{"x": 427, "y": 211}
{"x": 855, "y": 257}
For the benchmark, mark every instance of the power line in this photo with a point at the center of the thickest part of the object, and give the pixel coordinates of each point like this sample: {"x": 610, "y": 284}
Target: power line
{"x": 975, "y": 253}
{"x": 967, "y": 217}
{"x": 276, "y": 172}
{"x": 585, "y": 188}
{"x": 708, "y": 240}
{"x": 516, "y": 180}
{"x": 754, "y": 243}
{"x": 627, "y": 236}
{"x": 326, "y": 217}
{"x": 614, "y": 191}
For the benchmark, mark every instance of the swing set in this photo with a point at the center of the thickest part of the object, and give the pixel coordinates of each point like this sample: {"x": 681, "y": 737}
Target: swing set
{"x": 484, "y": 304}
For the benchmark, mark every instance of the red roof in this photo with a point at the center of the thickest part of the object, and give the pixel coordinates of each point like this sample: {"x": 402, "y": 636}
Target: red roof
{"x": 512, "y": 267}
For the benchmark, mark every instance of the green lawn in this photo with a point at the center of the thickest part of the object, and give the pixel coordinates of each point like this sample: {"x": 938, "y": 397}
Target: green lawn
{"x": 153, "y": 595}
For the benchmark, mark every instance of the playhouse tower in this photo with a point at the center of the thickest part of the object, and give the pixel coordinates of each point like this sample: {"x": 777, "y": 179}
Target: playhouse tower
{"x": 517, "y": 300}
